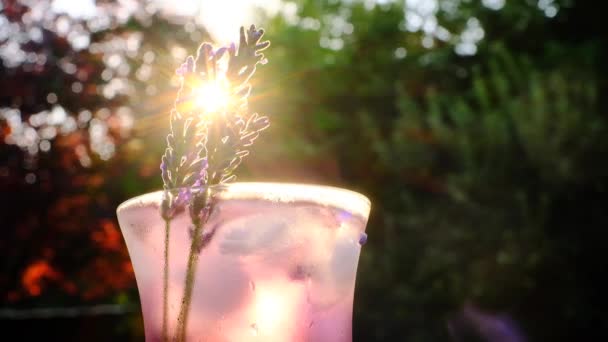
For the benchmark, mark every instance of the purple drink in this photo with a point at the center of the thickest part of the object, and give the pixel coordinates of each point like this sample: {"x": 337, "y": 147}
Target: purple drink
{"x": 279, "y": 263}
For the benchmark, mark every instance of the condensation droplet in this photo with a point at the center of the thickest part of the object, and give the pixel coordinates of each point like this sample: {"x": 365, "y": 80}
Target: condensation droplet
{"x": 362, "y": 239}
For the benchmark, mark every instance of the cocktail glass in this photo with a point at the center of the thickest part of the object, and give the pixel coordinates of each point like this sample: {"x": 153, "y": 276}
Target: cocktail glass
{"x": 279, "y": 263}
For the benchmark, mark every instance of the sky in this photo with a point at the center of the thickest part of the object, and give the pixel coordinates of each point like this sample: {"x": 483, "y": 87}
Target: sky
{"x": 220, "y": 17}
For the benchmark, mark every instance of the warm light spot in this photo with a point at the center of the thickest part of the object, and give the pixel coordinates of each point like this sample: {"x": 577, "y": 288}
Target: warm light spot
{"x": 212, "y": 97}
{"x": 275, "y": 311}
{"x": 271, "y": 308}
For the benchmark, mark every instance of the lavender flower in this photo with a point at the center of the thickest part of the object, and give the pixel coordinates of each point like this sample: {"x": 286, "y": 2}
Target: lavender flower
{"x": 206, "y": 148}
{"x": 211, "y": 132}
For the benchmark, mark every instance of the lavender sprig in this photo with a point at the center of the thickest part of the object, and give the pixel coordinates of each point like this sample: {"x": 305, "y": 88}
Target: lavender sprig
{"x": 204, "y": 149}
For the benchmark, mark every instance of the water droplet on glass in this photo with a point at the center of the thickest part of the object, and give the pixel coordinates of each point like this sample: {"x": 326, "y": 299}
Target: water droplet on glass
{"x": 311, "y": 324}
{"x": 362, "y": 239}
{"x": 252, "y": 285}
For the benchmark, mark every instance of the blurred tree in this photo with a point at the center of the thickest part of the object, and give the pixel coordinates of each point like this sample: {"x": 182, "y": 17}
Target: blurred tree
{"x": 73, "y": 126}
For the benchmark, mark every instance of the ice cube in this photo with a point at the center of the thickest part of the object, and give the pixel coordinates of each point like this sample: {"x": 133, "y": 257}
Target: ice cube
{"x": 343, "y": 264}
{"x": 222, "y": 285}
{"x": 333, "y": 278}
{"x": 255, "y": 234}
{"x": 307, "y": 244}
{"x": 319, "y": 216}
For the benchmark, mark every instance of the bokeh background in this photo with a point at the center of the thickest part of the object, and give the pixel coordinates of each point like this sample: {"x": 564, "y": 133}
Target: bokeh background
{"x": 478, "y": 129}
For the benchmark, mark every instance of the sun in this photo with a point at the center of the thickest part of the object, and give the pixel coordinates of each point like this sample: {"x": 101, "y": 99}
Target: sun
{"x": 212, "y": 96}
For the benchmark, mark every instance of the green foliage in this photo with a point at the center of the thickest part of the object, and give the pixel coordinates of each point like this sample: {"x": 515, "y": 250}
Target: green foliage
{"x": 497, "y": 160}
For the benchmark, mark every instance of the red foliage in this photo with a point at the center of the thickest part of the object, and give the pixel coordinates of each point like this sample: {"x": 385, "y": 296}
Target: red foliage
{"x": 105, "y": 276}
{"x": 36, "y": 274}
{"x": 108, "y": 237}
{"x": 61, "y": 239}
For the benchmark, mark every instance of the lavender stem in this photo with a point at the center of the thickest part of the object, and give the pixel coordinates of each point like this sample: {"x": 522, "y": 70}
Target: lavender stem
{"x": 164, "y": 335}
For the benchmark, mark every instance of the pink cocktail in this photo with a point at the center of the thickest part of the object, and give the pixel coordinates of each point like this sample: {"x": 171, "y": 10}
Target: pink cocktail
{"x": 278, "y": 265}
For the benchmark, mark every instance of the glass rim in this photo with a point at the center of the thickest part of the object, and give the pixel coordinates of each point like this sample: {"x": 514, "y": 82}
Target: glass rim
{"x": 285, "y": 192}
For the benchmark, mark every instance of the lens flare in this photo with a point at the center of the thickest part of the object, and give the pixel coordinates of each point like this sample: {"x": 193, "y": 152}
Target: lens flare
{"x": 212, "y": 97}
